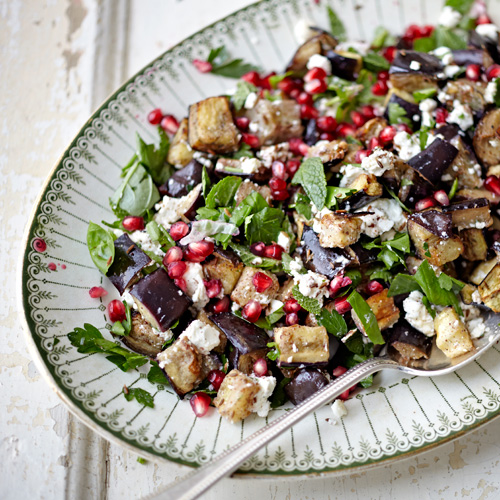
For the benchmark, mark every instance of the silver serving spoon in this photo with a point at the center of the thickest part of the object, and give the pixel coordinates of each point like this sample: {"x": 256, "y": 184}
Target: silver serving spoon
{"x": 200, "y": 480}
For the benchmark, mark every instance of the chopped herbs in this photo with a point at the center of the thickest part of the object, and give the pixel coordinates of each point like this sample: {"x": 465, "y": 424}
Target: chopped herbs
{"x": 243, "y": 90}
{"x": 223, "y": 65}
{"x": 365, "y": 315}
{"x": 142, "y": 396}
{"x": 309, "y": 304}
{"x": 337, "y": 28}
{"x": 101, "y": 247}
{"x": 311, "y": 176}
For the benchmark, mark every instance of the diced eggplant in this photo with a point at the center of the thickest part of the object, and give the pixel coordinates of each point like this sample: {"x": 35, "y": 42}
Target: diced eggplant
{"x": 142, "y": 338}
{"x": 326, "y": 261}
{"x": 487, "y": 138}
{"x": 482, "y": 42}
{"x": 489, "y": 289}
{"x": 386, "y": 313}
{"x": 434, "y": 160}
{"x": 464, "y": 57}
{"x": 448, "y": 131}
{"x": 338, "y": 230}
{"x": 465, "y": 167}
{"x": 475, "y": 247}
{"x": 467, "y": 294}
{"x": 452, "y": 336}
{"x": 369, "y": 130}
{"x": 346, "y": 65}
{"x": 409, "y": 342}
{"x": 128, "y": 262}
{"x": 470, "y": 214}
{"x": 311, "y": 134}
{"x": 246, "y": 188}
{"x": 482, "y": 270}
{"x": 473, "y": 194}
{"x": 245, "y": 291}
{"x": 305, "y": 383}
{"x": 361, "y": 255}
{"x": 466, "y": 92}
{"x": 434, "y": 221}
{"x": 330, "y": 152}
{"x": 414, "y": 188}
{"x": 404, "y": 78}
{"x": 318, "y": 44}
{"x": 159, "y": 300}
{"x": 406, "y": 102}
{"x": 244, "y": 362}
{"x": 226, "y": 267}
{"x": 211, "y": 126}
{"x": 180, "y": 152}
{"x": 367, "y": 190}
{"x": 183, "y": 180}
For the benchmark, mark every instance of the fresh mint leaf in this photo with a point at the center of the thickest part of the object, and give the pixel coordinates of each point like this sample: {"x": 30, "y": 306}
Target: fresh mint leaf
{"x": 279, "y": 396}
{"x": 375, "y": 62}
{"x": 255, "y": 201}
{"x": 445, "y": 37}
{"x": 397, "y": 114}
{"x": 160, "y": 234}
{"x": 462, "y": 6}
{"x": 333, "y": 322}
{"x": 366, "y": 317}
{"x": 379, "y": 273}
{"x": 156, "y": 374}
{"x": 267, "y": 322}
{"x": 286, "y": 261}
{"x": 420, "y": 95}
{"x": 309, "y": 304}
{"x": 311, "y": 176}
{"x": 337, "y": 28}
{"x": 155, "y": 159}
{"x": 205, "y": 182}
{"x": 335, "y": 194}
{"x": 274, "y": 353}
{"x": 264, "y": 226}
{"x": 223, "y": 193}
{"x": 243, "y": 90}
{"x": 425, "y": 44}
{"x": 143, "y": 397}
{"x": 379, "y": 37}
{"x": 275, "y": 79}
{"x": 101, "y": 247}
{"x": 453, "y": 190}
{"x": 303, "y": 206}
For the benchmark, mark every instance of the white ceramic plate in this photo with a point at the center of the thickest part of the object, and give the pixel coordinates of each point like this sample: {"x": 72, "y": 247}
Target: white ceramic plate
{"x": 394, "y": 418}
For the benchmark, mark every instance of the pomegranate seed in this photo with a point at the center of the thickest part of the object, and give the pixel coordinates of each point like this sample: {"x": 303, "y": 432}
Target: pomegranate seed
{"x": 155, "y": 116}
{"x": 178, "y": 230}
{"x": 215, "y": 377}
{"x": 327, "y": 136}
{"x": 251, "y": 311}
{"x": 483, "y": 19}
{"x": 258, "y": 248}
{"x": 389, "y": 53}
{"x": 260, "y": 367}
{"x": 280, "y": 195}
{"x": 39, "y": 245}
{"x": 213, "y": 287}
{"x": 383, "y": 76}
{"x": 345, "y": 129}
{"x": 265, "y": 83}
{"x": 387, "y": 134}
{"x": 315, "y": 74}
{"x": 251, "y": 139}
{"x": 426, "y": 31}
{"x": 308, "y": 112}
{"x": 202, "y": 66}
{"x": 402, "y": 127}
{"x": 368, "y": 111}
{"x": 181, "y": 283}
{"x": 339, "y": 371}
{"x": 295, "y": 93}
{"x": 279, "y": 170}
{"x": 442, "y": 198}
{"x": 360, "y": 155}
{"x": 116, "y": 311}
{"x": 222, "y": 305}
{"x": 292, "y": 166}
{"x": 424, "y": 204}
{"x": 291, "y": 306}
{"x": 253, "y": 78}
{"x": 202, "y": 248}
{"x": 441, "y": 115}
{"x": 493, "y": 72}
{"x": 373, "y": 287}
{"x": 380, "y": 88}
{"x": 169, "y": 124}
{"x": 357, "y": 119}
{"x": 242, "y": 123}
{"x": 291, "y": 319}
{"x": 341, "y": 305}
{"x": 131, "y": 223}
{"x": 473, "y": 72}
{"x": 97, "y": 291}
{"x": 298, "y": 147}
{"x": 339, "y": 282}
{"x": 287, "y": 85}
{"x": 492, "y": 183}
{"x": 345, "y": 395}
{"x": 261, "y": 282}
{"x": 273, "y": 252}
{"x": 200, "y": 402}
{"x": 176, "y": 269}
{"x": 315, "y": 86}
{"x": 305, "y": 98}
{"x": 173, "y": 254}
{"x": 326, "y": 123}
{"x": 374, "y": 143}
{"x": 277, "y": 184}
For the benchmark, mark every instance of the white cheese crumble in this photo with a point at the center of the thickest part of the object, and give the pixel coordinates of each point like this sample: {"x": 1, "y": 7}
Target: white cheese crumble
{"x": 451, "y": 70}
{"x": 203, "y": 158}
{"x": 415, "y": 65}
{"x": 491, "y": 91}
{"x": 488, "y": 31}
{"x": 476, "y": 297}
{"x": 477, "y": 327}
{"x": 278, "y": 152}
{"x": 195, "y": 288}
{"x": 449, "y": 17}
{"x": 417, "y": 314}
{"x": 126, "y": 297}
{"x": 274, "y": 305}
{"x": 203, "y": 336}
{"x": 170, "y": 210}
{"x": 361, "y": 48}
{"x": 407, "y": 145}
{"x": 379, "y": 162}
{"x": 313, "y": 285}
{"x": 144, "y": 241}
{"x": 302, "y": 30}
{"x": 166, "y": 336}
{"x": 250, "y": 165}
{"x": 350, "y": 174}
{"x": 339, "y": 410}
{"x": 319, "y": 61}
{"x": 387, "y": 215}
{"x": 251, "y": 100}
{"x": 266, "y": 387}
{"x": 284, "y": 241}
{"x": 427, "y": 106}
{"x": 443, "y": 53}
{"x": 461, "y": 115}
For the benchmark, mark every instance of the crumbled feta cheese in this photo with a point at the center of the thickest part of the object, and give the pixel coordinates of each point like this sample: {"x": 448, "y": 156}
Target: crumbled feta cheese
{"x": 427, "y": 106}
{"x": 296, "y": 266}
{"x": 476, "y": 297}
{"x": 284, "y": 241}
{"x": 443, "y": 53}
{"x": 144, "y": 241}
{"x": 251, "y": 100}
{"x": 350, "y": 174}
{"x": 235, "y": 306}
{"x": 491, "y": 91}
{"x": 195, "y": 288}
{"x": 361, "y": 48}
{"x": 461, "y": 115}
{"x": 313, "y": 285}
{"x": 495, "y": 143}
{"x": 449, "y": 17}
{"x": 266, "y": 387}
{"x": 443, "y": 97}
{"x": 319, "y": 61}
{"x": 477, "y": 327}
{"x": 170, "y": 210}
{"x": 339, "y": 410}
{"x": 387, "y": 215}
{"x": 451, "y": 70}
{"x": 126, "y": 297}
{"x": 488, "y": 31}
{"x": 415, "y": 65}
{"x": 407, "y": 145}
{"x": 417, "y": 314}
{"x": 278, "y": 152}
{"x": 203, "y": 158}
{"x": 203, "y": 336}
{"x": 302, "y": 30}
{"x": 250, "y": 165}
{"x": 379, "y": 162}
{"x": 257, "y": 261}
{"x": 166, "y": 336}
{"x": 274, "y": 305}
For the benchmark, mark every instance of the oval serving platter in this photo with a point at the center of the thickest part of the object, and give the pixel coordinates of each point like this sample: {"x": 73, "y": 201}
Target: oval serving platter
{"x": 394, "y": 418}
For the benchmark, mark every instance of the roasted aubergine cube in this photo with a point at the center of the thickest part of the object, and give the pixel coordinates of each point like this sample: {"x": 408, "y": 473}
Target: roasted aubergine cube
{"x": 142, "y": 338}
{"x": 465, "y": 167}
{"x": 489, "y": 289}
{"x": 180, "y": 152}
{"x": 318, "y": 44}
{"x": 305, "y": 382}
{"x": 409, "y": 342}
{"x": 424, "y": 76}
{"x": 224, "y": 266}
{"x": 367, "y": 189}
{"x": 346, "y": 65}
{"x": 211, "y": 126}
{"x": 475, "y": 247}
{"x": 330, "y": 152}
{"x": 338, "y": 229}
{"x": 298, "y": 345}
{"x": 452, "y": 336}
{"x": 247, "y": 188}
{"x": 464, "y": 57}
{"x": 386, "y": 313}
{"x": 470, "y": 214}
{"x": 466, "y": 92}
{"x": 204, "y": 318}
{"x": 245, "y": 290}
{"x": 406, "y": 102}
{"x": 369, "y": 130}
{"x": 128, "y": 263}
{"x": 487, "y": 138}
{"x": 183, "y": 181}
{"x": 159, "y": 300}
{"x": 431, "y": 233}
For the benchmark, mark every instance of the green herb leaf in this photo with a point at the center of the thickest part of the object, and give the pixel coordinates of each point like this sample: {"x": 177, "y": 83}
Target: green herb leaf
{"x": 335, "y": 194}
{"x": 375, "y": 62}
{"x": 333, "y": 322}
{"x": 365, "y": 315}
{"x": 393, "y": 195}
{"x": 275, "y": 353}
{"x": 311, "y": 176}
{"x": 286, "y": 260}
{"x": 83, "y": 338}
{"x": 309, "y": 304}
{"x": 275, "y": 79}
{"x": 235, "y": 68}
{"x": 496, "y": 97}
{"x": 160, "y": 234}
{"x": 425, "y": 44}
{"x": 423, "y": 136}
{"x": 142, "y": 461}
{"x": 156, "y": 374}
{"x": 205, "y": 182}
{"x": 303, "y": 206}
{"x": 402, "y": 283}
{"x": 101, "y": 247}
{"x": 143, "y": 397}
{"x": 264, "y": 225}
{"x": 453, "y": 190}
{"x": 123, "y": 327}
{"x": 420, "y": 95}
{"x": 397, "y": 114}
{"x": 279, "y": 397}
{"x": 447, "y": 38}
{"x": 245, "y": 151}
{"x": 255, "y": 201}
{"x": 223, "y": 193}
{"x": 337, "y": 28}
{"x": 462, "y": 6}
{"x": 267, "y": 322}
{"x": 155, "y": 159}
{"x": 379, "y": 37}
{"x": 243, "y": 90}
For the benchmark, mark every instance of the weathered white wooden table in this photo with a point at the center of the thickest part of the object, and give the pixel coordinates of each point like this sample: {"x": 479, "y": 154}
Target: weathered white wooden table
{"x": 58, "y": 61}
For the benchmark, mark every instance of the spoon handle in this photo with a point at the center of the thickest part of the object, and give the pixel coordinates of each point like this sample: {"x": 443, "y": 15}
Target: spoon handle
{"x": 197, "y": 482}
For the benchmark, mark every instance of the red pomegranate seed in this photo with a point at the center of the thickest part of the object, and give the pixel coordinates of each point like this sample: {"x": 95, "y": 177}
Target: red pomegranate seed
{"x": 326, "y": 123}
{"x": 252, "y": 77}
{"x": 291, "y": 306}
{"x": 292, "y": 166}
{"x": 483, "y": 19}
{"x": 178, "y": 230}
{"x": 339, "y": 371}
{"x": 402, "y": 127}
{"x": 315, "y": 74}
{"x": 327, "y": 136}
{"x": 373, "y": 287}
{"x": 173, "y": 254}
{"x": 202, "y": 248}
{"x": 442, "y": 198}
{"x": 116, "y": 311}
{"x": 308, "y": 112}
{"x": 242, "y": 123}
{"x": 131, "y": 223}
{"x": 202, "y": 66}
{"x": 258, "y": 248}
{"x": 305, "y": 98}
{"x": 380, "y": 88}
{"x": 424, "y": 204}
{"x": 374, "y": 143}
{"x": 260, "y": 367}
{"x": 387, "y": 135}
{"x": 280, "y": 195}
{"x": 298, "y": 146}
{"x": 97, "y": 291}
{"x": 155, "y": 116}
{"x": 315, "y": 86}
{"x": 492, "y": 183}
{"x": 39, "y": 245}
{"x": 287, "y": 85}
{"x": 169, "y": 124}
{"x": 441, "y": 115}
{"x": 213, "y": 288}
{"x": 368, "y": 111}
{"x": 200, "y": 403}
{"x": 473, "y": 72}
{"x": 250, "y": 139}
{"x": 277, "y": 184}
{"x": 176, "y": 269}
{"x": 383, "y": 76}
{"x": 265, "y": 83}
{"x": 222, "y": 305}
{"x": 341, "y": 305}
{"x": 345, "y": 129}
{"x": 181, "y": 283}
{"x": 273, "y": 252}
{"x": 426, "y": 31}
{"x": 389, "y": 53}
{"x": 215, "y": 377}
{"x": 360, "y": 155}
{"x": 493, "y": 72}
{"x": 339, "y": 282}
{"x": 345, "y": 395}
{"x": 357, "y": 119}
{"x": 295, "y": 93}
{"x": 291, "y": 319}
{"x": 279, "y": 170}
{"x": 251, "y": 311}
{"x": 261, "y": 282}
